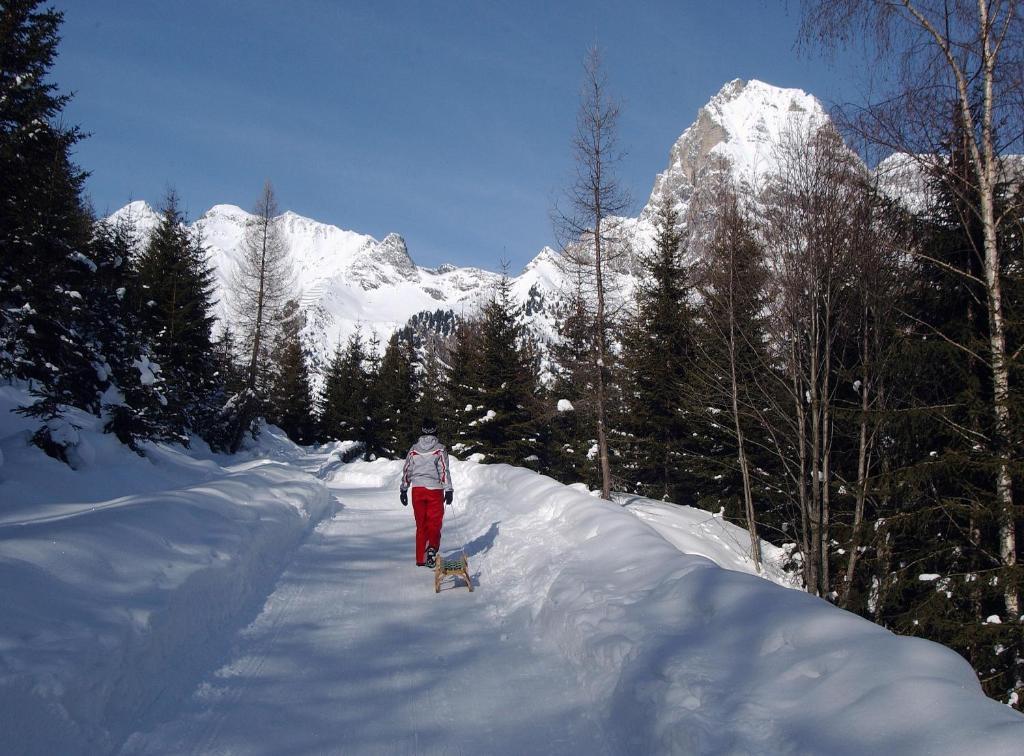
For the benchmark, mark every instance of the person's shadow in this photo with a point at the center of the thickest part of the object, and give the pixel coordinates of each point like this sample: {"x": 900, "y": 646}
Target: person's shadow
{"x": 482, "y": 543}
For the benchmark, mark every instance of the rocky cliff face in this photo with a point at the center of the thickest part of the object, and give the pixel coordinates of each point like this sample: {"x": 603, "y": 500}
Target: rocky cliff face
{"x": 736, "y": 133}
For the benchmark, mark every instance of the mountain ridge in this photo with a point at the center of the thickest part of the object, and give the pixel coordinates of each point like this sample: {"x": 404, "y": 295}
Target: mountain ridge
{"x": 346, "y": 280}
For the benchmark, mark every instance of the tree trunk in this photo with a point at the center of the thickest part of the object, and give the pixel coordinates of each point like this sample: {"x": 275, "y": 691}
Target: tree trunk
{"x": 748, "y": 498}
{"x": 862, "y": 474}
{"x": 806, "y": 518}
{"x": 261, "y": 297}
{"x": 989, "y": 166}
{"x": 602, "y": 435}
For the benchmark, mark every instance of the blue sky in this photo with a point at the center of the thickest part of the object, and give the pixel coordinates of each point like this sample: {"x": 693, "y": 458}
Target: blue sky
{"x": 447, "y": 122}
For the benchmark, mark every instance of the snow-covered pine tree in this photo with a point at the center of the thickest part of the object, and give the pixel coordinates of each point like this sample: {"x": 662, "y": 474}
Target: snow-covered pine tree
{"x": 657, "y": 353}
{"x": 370, "y": 430}
{"x": 571, "y": 393}
{"x": 231, "y": 370}
{"x": 289, "y": 404}
{"x": 44, "y": 226}
{"x": 462, "y": 387}
{"x": 239, "y": 407}
{"x": 506, "y": 424}
{"x": 132, "y": 400}
{"x": 175, "y": 308}
{"x": 346, "y": 387}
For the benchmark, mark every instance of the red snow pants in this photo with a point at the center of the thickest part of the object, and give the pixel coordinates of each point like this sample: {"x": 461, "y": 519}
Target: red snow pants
{"x": 428, "y": 508}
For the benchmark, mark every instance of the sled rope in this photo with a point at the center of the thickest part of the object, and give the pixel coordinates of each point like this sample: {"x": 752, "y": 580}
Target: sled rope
{"x": 457, "y": 532}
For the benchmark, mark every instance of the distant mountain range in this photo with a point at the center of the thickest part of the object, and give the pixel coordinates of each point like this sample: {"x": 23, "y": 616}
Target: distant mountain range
{"x": 347, "y": 280}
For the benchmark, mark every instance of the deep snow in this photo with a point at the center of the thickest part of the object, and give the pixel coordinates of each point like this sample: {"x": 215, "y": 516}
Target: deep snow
{"x": 269, "y": 604}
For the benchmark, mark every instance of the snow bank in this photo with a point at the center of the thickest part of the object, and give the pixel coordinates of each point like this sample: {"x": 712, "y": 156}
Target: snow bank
{"x": 681, "y": 656}
{"x": 120, "y": 580}
{"x": 696, "y": 531}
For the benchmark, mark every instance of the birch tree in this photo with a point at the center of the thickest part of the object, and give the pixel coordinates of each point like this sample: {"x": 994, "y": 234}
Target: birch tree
{"x": 953, "y": 66}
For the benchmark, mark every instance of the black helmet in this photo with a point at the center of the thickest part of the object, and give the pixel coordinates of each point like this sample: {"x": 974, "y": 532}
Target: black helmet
{"x": 428, "y": 426}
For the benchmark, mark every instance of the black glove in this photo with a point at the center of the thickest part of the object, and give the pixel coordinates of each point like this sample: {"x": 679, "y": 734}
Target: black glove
{"x": 448, "y": 497}
{"x": 404, "y": 497}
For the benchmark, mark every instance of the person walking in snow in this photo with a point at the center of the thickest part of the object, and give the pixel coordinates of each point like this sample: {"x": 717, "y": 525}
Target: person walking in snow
{"x": 427, "y": 473}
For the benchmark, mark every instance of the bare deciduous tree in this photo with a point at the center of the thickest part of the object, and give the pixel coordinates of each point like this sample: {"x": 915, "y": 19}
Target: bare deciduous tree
{"x": 808, "y": 239}
{"x": 261, "y": 283}
{"x": 876, "y": 296}
{"x": 731, "y": 290}
{"x": 590, "y": 234}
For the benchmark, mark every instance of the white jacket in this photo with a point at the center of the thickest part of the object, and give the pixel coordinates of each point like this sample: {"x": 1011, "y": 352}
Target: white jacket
{"x": 426, "y": 465}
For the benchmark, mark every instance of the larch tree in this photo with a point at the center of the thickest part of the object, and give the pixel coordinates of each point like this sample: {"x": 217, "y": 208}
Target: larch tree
{"x": 260, "y": 286}
{"x": 589, "y": 235}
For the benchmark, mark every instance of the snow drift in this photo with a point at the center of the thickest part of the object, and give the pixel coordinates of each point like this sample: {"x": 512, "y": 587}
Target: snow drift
{"x": 119, "y": 582}
{"x": 682, "y": 656}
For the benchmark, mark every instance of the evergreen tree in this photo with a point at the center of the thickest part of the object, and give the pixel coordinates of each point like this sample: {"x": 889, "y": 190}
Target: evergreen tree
{"x": 657, "y": 349}
{"x": 228, "y": 359}
{"x": 176, "y": 315}
{"x": 290, "y": 403}
{"x": 940, "y": 513}
{"x": 573, "y": 414}
{"x": 371, "y": 433}
{"x": 396, "y": 389}
{"x": 346, "y": 388}
{"x": 132, "y": 399}
{"x": 506, "y": 430}
{"x": 462, "y": 388}
{"x": 44, "y": 226}
{"x": 431, "y": 370}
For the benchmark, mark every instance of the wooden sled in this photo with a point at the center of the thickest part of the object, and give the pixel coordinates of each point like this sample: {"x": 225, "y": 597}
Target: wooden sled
{"x": 458, "y": 567}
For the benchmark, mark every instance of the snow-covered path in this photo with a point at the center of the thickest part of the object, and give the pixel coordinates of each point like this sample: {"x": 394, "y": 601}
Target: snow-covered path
{"x": 355, "y": 653}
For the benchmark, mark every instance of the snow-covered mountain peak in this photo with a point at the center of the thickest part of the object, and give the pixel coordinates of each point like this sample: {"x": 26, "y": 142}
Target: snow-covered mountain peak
{"x": 736, "y": 131}
{"x": 230, "y": 212}
{"x": 393, "y": 250}
{"x": 384, "y": 263}
{"x": 545, "y": 257}
{"x": 346, "y": 280}
{"x": 139, "y": 214}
